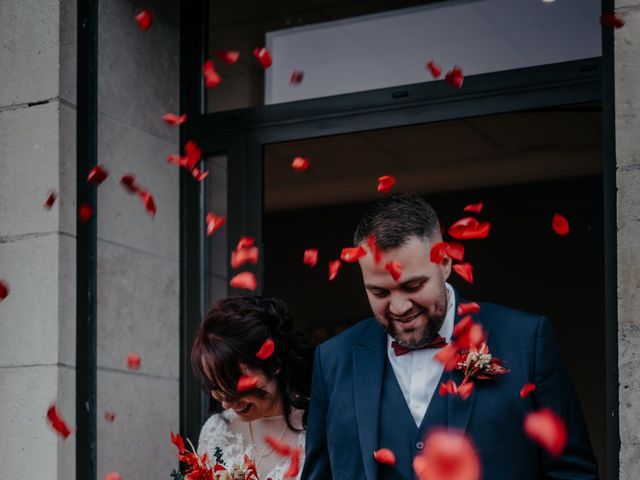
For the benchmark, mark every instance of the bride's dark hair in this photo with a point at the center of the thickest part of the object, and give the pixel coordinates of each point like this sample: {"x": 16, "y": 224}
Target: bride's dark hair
{"x": 230, "y": 335}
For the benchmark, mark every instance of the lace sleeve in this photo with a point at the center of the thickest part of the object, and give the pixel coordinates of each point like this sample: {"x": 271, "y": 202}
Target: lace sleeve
{"x": 215, "y": 434}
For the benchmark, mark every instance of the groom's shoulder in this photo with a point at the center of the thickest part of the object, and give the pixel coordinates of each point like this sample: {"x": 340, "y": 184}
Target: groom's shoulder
{"x": 345, "y": 340}
{"x": 507, "y": 318}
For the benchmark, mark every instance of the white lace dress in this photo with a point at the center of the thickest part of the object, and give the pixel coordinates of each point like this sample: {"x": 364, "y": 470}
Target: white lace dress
{"x": 229, "y": 433}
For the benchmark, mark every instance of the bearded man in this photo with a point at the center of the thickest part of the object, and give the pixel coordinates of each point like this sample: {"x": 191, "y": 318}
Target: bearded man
{"x": 376, "y": 384}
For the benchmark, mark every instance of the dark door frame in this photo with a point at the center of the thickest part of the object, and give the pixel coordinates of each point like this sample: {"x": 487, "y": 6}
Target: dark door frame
{"x": 242, "y": 135}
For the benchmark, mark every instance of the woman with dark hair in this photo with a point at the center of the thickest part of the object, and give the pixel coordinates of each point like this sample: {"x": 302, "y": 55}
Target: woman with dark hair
{"x": 256, "y": 393}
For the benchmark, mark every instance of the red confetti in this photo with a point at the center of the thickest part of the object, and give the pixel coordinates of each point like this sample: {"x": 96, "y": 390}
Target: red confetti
{"x": 227, "y": 56}
{"x": 294, "y": 466}
{"x": 109, "y": 416}
{"x": 310, "y": 257}
{"x": 469, "y": 228}
{"x": 467, "y": 308}
{"x": 300, "y": 164}
{"x": 97, "y": 175}
{"x": 296, "y": 77}
{"x": 242, "y": 256}
{"x": 385, "y": 183}
{"x": 144, "y": 19}
{"x": 527, "y": 389}
{"x": 263, "y": 56}
{"x": 85, "y": 212}
{"x": 266, "y": 350}
{"x": 450, "y": 388}
{"x": 334, "y": 266}
{"x": 4, "y": 289}
{"x": 246, "y": 382}
{"x": 211, "y": 76}
{"x": 173, "y": 119}
{"x": 176, "y": 439}
{"x": 474, "y": 207}
{"x": 214, "y": 222}
{"x": 113, "y": 476}
{"x": 448, "y": 356}
{"x": 133, "y": 361}
{"x": 385, "y": 456}
{"x": 454, "y": 77}
{"x": 128, "y": 181}
{"x": 51, "y": 199}
{"x": 611, "y": 20}
{"x": 546, "y": 428}
{"x": 56, "y": 422}
{"x": 375, "y": 250}
{"x": 465, "y": 270}
{"x": 440, "y": 249}
{"x": 434, "y": 68}
{"x": 198, "y": 175}
{"x": 560, "y": 225}
{"x": 147, "y": 200}
{"x": 447, "y": 455}
{"x": 244, "y": 281}
{"x": 395, "y": 269}
{"x": 352, "y": 254}
{"x": 280, "y": 448}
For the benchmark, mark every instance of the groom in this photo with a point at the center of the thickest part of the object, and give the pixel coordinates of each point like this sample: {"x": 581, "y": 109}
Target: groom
{"x": 376, "y": 384}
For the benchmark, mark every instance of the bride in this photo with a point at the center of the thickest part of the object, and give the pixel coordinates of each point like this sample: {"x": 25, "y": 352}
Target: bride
{"x": 257, "y": 369}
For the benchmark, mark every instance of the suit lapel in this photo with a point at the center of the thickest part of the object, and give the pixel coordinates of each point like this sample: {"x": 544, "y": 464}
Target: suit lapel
{"x": 368, "y": 367}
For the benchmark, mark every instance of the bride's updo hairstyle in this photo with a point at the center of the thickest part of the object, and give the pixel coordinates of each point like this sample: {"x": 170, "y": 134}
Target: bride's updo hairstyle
{"x": 233, "y": 331}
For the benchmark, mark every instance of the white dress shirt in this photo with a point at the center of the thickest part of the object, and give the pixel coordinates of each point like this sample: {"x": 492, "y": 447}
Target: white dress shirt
{"x": 418, "y": 372}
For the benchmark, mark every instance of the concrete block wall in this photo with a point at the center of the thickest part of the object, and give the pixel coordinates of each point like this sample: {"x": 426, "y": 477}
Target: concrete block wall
{"x": 37, "y": 246}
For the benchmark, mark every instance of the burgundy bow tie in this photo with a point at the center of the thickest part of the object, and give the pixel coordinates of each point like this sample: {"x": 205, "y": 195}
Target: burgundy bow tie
{"x": 399, "y": 350}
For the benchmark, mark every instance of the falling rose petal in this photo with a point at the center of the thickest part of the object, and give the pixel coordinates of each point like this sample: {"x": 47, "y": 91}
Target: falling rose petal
{"x": 147, "y": 200}
{"x": 454, "y": 77}
{"x": 476, "y": 335}
{"x": 97, "y": 175}
{"x": 51, "y": 199}
{"x": 128, "y": 181}
{"x": 85, "y": 212}
{"x": 198, "y": 175}
{"x": 474, "y": 207}
{"x": 450, "y": 388}
{"x": 193, "y": 154}
{"x": 448, "y": 356}
{"x": 246, "y": 382}
{"x": 527, "y": 389}
{"x": 56, "y": 422}
{"x": 4, "y": 289}
{"x": 144, "y": 19}
{"x": 469, "y": 228}
{"x": 352, "y": 254}
{"x": 385, "y": 183}
{"x": 465, "y": 270}
{"x": 334, "y": 266}
{"x": 300, "y": 164}
{"x": 279, "y": 447}
{"x": 560, "y": 225}
{"x": 227, "y": 56}
{"x": 245, "y": 241}
{"x": 173, "y": 119}
{"x": 455, "y": 250}
{"x": 243, "y": 256}
{"x": 447, "y": 455}
{"x": 294, "y": 466}
{"x": 113, "y": 476}
{"x": 310, "y": 257}
{"x": 434, "y": 69}
{"x": 385, "y": 456}
{"x": 546, "y": 428}
{"x": 214, "y": 222}
{"x": 447, "y": 388}
{"x": 109, "y": 416}
{"x": 263, "y": 56}
{"x": 244, "y": 281}
{"x": 211, "y": 76}
{"x": 441, "y": 249}
{"x": 266, "y": 349}
{"x": 394, "y": 268}
{"x": 296, "y": 77}
{"x": 611, "y": 20}
{"x": 375, "y": 250}
{"x": 133, "y": 361}
{"x": 467, "y": 308}
{"x": 177, "y": 440}
{"x": 176, "y": 160}
{"x": 462, "y": 328}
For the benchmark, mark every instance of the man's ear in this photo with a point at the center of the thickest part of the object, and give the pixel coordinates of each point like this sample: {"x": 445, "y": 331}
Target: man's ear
{"x": 445, "y": 266}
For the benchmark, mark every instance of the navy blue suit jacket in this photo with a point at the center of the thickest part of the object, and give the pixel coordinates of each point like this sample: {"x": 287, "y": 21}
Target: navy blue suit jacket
{"x": 342, "y": 425}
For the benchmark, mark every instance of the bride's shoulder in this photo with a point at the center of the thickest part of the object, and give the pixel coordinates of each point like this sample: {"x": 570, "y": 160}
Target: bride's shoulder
{"x": 216, "y": 425}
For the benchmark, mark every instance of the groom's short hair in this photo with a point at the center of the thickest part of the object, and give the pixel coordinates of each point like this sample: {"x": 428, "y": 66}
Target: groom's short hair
{"x": 394, "y": 219}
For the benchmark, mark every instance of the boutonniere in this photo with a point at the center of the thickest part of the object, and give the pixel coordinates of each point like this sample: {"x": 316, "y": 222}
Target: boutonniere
{"x": 468, "y": 353}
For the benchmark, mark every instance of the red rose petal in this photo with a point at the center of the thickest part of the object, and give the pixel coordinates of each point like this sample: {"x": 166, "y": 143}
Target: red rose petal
{"x": 113, "y": 476}
{"x": 448, "y": 356}
{"x": 395, "y": 269}
{"x": 147, "y": 200}
{"x": 214, "y": 222}
{"x": 560, "y": 225}
{"x": 227, "y": 56}
{"x": 173, "y": 119}
{"x": 176, "y": 439}
{"x": 465, "y": 270}
{"x": 300, "y": 164}
{"x": 246, "y": 382}
{"x": 375, "y": 250}
{"x": 97, "y": 175}
{"x": 211, "y": 77}
{"x": 266, "y": 349}
{"x": 144, "y": 19}
{"x": 85, "y": 212}
{"x": 243, "y": 256}
{"x": 193, "y": 154}
{"x": 467, "y": 308}
{"x": 4, "y": 289}
{"x": 263, "y": 56}
{"x": 296, "y": 77}
{"x": 56, "y": 422}
{"x": 546, "y": 428}
{"x": 611, "y": 20}
{"x": 455, "y": 250}
{"x": 462, "y": 328}
{"x": 385, "y": 456}
{"x": 434, "y": 68}
{"x": 279, "y": 447}
{"x": 51, "y": 199}
{"x": 294, "y": 466}
{"x": 454, "y": 77}
{"x": 385, "y": 183}
{"x": 527, "y": 389}
{"x": 469, "y": 228}
{"x": 447, "y": 455}
{"x": 245, "y": 241}
{"x": 452, "y": 249}
{"x": 128, "y": 181}
{"x": 334, "y": 266}
{"x": 133, "y": 361}
{"x": 352, "y": 254}
{"x": 109, "y": 416}
{"x": 474, "y": 207}
{"x": 310, "y": 257}
{"x": 198, "y": 175}
{"x": 450, "y": 388}
{"x": 244, "y": 281}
